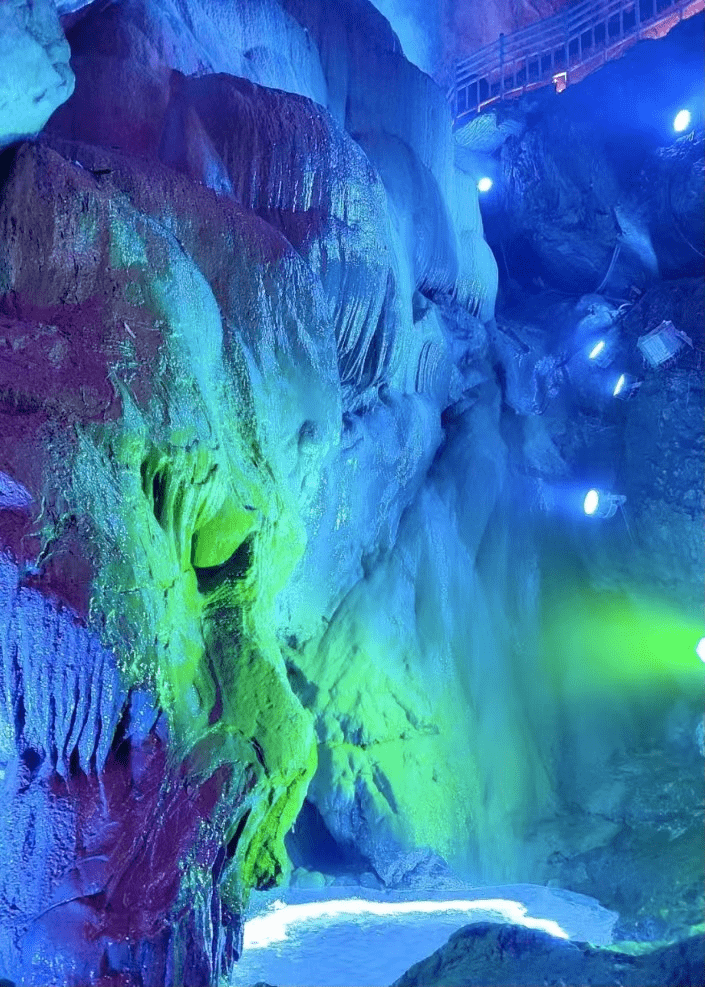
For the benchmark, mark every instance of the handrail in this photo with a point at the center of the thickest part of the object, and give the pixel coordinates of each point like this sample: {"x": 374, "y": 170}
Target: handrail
{"x": 560, "y": 50}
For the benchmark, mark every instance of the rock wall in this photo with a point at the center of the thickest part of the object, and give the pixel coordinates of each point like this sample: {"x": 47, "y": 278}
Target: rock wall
{"x": 433, "y": 33}
{"x": 35, "y": 76}
{"x": 263, "y": 494}
{"x": 499, "y": 956}
{"x": 237, "y": 293}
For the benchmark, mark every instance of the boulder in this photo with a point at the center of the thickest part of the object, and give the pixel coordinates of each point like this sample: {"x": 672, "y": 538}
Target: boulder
{"x": 490, "y": 955}
{"x": 35, "y": 76}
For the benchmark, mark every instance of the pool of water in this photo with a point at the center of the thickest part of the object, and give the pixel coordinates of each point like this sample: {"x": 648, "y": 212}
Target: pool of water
{"x": 354, "y": 937}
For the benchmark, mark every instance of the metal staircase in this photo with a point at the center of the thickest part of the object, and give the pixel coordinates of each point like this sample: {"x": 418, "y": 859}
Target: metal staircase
{"x": 560, "y": 50}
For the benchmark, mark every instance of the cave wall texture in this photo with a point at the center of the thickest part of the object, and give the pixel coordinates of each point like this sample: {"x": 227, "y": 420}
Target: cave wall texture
{"x": 433, "y": 33}
{"x": 268, "y": 481}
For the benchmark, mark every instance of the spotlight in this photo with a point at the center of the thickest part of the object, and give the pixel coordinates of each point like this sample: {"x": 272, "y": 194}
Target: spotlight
{"x": 700, "y": 649}
{"x": 485, "y": 184}
{"x": 592, "y": 499}
{"x": 626, "y": 387}
{"x": 602, "y": 353}
{"x": 604, "y": 505}
{"x": 681, "y": 121}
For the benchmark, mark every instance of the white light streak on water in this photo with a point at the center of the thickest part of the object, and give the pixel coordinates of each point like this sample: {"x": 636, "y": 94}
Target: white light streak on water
{"x": 272, "y": 927}
{"x": 304, "y": 937}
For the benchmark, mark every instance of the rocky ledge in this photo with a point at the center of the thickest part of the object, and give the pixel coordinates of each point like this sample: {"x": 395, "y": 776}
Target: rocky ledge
{"x": 503, "y": 955}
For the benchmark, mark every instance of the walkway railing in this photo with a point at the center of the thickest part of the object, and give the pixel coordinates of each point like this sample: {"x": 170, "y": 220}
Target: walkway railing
{"x": 560, "y": 50}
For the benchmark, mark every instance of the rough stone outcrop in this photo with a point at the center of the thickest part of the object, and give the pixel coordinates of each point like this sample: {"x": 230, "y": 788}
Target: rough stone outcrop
{"x": 499, "y": 955}
{"x": 600, "y": 203}
{"x": 35, "y": 76}
{"x": 673, "y": 186}
{"x": 86, "y": 774}
{"x": 660, "y": 472}
{"x": 158, "y": 501}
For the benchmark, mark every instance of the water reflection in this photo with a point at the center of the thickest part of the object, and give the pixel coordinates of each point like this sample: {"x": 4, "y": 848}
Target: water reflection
{"x": 337, "y": 937}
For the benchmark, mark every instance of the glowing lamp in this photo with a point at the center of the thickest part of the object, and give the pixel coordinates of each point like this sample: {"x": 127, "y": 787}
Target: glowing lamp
{"x": 485, "y": 184}
{"x": 600, "y": 504}
{"x": 592, "y": 499}
{"x": 700, "y": 649}
{"x": 602, "y": 353}
{"x": 626, "y": 387}
{"x": 681, "y": 121}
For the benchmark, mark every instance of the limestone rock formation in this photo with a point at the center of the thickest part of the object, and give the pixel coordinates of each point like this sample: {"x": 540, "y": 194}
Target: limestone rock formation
{"x": 275, "y": 472}
{"x": 206, "y": 301}
{"x": 496, "y": 955}
{"x": 35, "y": 76}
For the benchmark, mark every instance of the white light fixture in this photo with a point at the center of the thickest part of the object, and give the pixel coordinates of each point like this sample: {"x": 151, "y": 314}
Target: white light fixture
{"x": 681, "y": 121}
{"x": 485, "y": 184}
{"x": 600, "y": 504}
{"x": 700, "y": 649}
{"x": 602, "y": 353}
{"x": 626, "y": 387}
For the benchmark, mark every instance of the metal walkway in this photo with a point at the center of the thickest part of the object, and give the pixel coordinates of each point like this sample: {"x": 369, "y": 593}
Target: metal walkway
{"x": 560, "y": 50}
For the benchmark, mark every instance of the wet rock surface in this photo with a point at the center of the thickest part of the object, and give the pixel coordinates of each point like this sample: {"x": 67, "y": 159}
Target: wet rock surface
{"x": 639, "y": 832}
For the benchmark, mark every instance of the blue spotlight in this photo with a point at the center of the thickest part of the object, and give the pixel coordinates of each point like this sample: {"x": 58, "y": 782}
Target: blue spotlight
{"x": 681, "y": 121}
{"x": 600, "y": 504}
{"x": 603, "y": 351}
{"x": 485, "y": 184}
{"x": 626, "y": 387}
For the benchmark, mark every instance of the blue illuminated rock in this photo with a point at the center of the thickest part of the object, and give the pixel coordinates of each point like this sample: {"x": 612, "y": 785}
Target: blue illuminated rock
{"x": 35, "y": 76}
{"x": 490, "y": 955}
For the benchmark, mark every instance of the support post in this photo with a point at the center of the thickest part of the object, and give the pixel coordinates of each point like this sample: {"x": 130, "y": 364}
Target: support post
{"x": 501, "y": 65}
